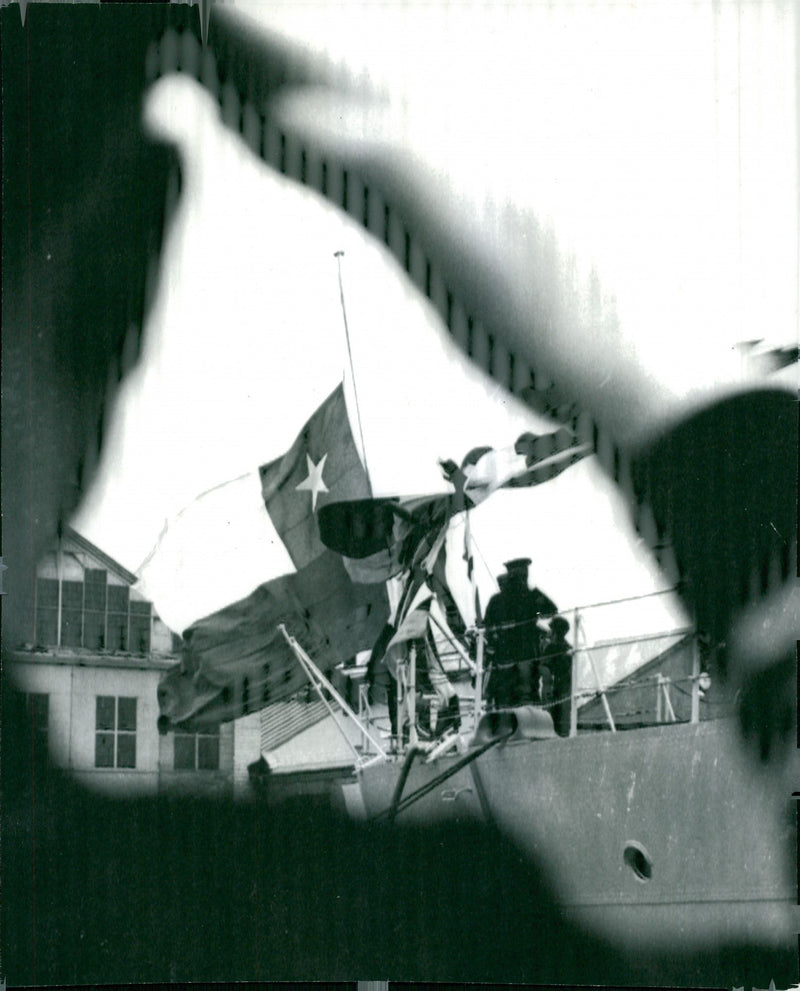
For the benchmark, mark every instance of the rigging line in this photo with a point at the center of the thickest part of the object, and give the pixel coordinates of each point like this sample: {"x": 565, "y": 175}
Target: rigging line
{"x": 169, "y": 522}
{"x": 480, "y": 553}
{"x": 644, "y": 638}
{"x": 629, "y": 598}
{"x": 610, "y": 602}
{"x": 591, "y": 605}
{"x": 338, "y": 255}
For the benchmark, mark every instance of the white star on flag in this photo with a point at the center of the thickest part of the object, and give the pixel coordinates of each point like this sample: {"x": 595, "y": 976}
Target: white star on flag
{"x": 314, "y": 483}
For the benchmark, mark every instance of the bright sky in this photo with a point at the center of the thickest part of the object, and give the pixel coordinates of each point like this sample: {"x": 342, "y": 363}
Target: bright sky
{"x": 627, "y": 131}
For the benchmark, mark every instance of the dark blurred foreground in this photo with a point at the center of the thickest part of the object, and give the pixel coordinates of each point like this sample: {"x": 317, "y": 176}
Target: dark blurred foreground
{"x": 98, "y": 891}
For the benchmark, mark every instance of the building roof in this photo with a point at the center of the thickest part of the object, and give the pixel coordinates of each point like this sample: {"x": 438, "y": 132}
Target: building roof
{"x": 109, "y": 562}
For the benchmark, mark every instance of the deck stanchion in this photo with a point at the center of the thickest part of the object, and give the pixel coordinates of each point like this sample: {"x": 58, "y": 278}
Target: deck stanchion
{"x": 364, "y": 714}
{"x": 600, "y": 687}
{"x": 573, "y": 688}
{"x": 479, "y": 677}
{"x": 695, "y": 717}
{"x": 412, "y": 696}
{"x": 402, "y": 689}
{"x": 668, "y": 710}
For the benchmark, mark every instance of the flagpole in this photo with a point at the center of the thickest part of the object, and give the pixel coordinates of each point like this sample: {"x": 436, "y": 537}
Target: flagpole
{"x": 338, "y": 255}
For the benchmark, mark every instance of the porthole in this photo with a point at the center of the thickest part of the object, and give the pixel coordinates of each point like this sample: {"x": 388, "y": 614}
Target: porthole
{"x": 639, "y": 860}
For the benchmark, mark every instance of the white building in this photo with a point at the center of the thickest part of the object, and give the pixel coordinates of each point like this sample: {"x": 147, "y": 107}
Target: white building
{"x": 90, "y": 674}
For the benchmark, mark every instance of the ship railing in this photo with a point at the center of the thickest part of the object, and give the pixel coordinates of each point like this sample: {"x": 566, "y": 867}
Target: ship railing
{"x": 663, "y": 711}
{"x": 663, "y": 686}
{"x": 662, "y": 690}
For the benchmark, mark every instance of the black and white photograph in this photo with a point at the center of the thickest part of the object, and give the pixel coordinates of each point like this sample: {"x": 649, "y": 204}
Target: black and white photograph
{"x": 400, "y": 492}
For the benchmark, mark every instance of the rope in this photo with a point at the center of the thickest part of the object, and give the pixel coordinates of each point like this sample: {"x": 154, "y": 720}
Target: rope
{"x": 339, "y": 255}
{"x": 628, "y": 598}
{"x": 512, "y": 624}
{"x": 480, "y": 553}
{"x": 591, "y": 605}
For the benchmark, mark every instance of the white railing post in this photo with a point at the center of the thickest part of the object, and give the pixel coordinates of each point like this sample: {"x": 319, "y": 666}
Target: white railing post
{"x": 695, "y": 716}
{"x": 412, "y": 696}
{"x": 669, "y": 711}
{"x": 600, "y": 688}
{"x": 400, "y": 705}
{"x": 573, "y": 688}
{"x": 479, "y": 676}
{"x": 364, "y": 714}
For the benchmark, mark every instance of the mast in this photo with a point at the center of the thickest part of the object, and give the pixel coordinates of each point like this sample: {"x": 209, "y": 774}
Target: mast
{"x": 338, "y": 255}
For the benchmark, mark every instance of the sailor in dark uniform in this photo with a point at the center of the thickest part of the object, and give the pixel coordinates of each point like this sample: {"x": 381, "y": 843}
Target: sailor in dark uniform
{"x": 557, "y": 660}
{"x": 499, "y": 684}
{"x": 514, "y": 638}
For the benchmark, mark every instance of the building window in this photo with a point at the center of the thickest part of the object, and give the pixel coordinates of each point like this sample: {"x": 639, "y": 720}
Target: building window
{"x": 94, "y": 605}
{"x": 72, "y": 614}
{"x": 37, "y": 706}
{"x": 46, "y": 611}
{"x": 197, "y": 751}
{"x": 140, "y": 624}
{"x": 118, "y": 601}
{"x": 115, "y": 736}
{"x": 94, "y": 615}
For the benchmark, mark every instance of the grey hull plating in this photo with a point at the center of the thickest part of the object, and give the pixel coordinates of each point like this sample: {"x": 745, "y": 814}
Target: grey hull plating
{"x": 656, "y": 836}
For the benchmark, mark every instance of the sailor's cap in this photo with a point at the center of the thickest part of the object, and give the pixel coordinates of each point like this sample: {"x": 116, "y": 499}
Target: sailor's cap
{"x": 518, "y": 564}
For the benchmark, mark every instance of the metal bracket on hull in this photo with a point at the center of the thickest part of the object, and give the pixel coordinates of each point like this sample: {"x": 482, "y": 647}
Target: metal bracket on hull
{"x": 525, "y": 722}
{"x": 399, "y": 804}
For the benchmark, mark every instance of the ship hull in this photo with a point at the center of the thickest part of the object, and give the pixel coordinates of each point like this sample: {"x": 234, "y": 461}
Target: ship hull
{"x": 663, "y": 836}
